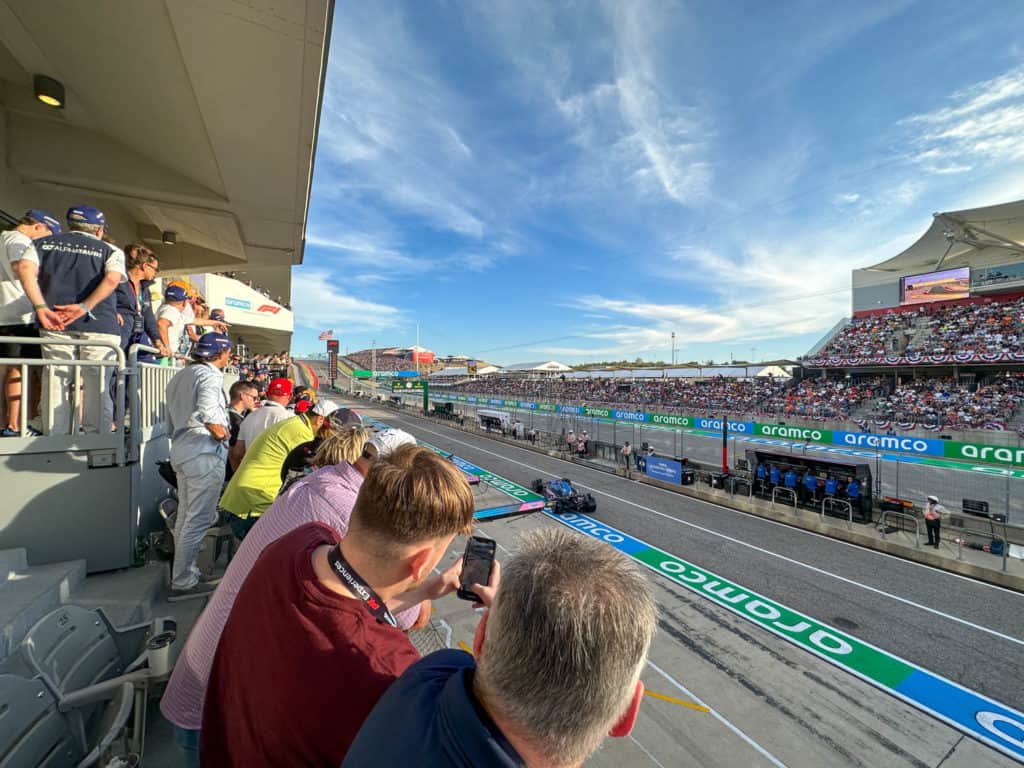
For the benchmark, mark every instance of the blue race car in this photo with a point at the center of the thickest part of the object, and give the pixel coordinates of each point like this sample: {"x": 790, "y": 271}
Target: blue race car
{"x": 562, "y": 497}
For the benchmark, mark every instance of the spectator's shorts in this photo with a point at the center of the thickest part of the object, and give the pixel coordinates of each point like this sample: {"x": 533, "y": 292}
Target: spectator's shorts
{"x": 16, "y": 349}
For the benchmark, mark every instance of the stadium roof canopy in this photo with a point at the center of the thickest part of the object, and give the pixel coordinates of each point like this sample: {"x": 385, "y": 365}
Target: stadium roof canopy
{"x": 463, "y": 371}
{"x": 976, "y": 237}
{"x": 193, "y": 117}
{"x": 542, "y": 367}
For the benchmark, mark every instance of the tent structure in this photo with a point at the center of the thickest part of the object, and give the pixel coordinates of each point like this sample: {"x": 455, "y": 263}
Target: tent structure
{"x": 976, "y": 237}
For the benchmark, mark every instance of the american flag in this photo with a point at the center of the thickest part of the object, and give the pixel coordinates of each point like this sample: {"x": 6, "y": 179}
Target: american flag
{"x": 325, "y": 335}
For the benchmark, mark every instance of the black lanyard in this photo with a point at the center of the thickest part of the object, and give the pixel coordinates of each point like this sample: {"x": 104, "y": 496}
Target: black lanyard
{"x": 355, "y": 584}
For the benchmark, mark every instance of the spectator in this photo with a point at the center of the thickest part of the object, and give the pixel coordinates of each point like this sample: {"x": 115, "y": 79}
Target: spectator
{"x": 16, "y": 315}
{"x": 135, "y": 317}
{"x": 72, "y": 291}
{"x": 197, "y": 422}
{"x": 273, "y": 410}
{"x": 299, "y": 461}
{"x": 570, "y": 439}
{"x": 557, "y": 668}
{"x": 257, "y": 479}
{"x": 170, "y": 319}
{"x": 627, "y": 453}
{"x": 326, "y": 497}
{"x": 242, "y": 399}
{"x": 299, "y": 696}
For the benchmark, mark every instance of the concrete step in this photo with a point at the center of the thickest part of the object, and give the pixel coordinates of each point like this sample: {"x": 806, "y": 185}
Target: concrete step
{"x": 31, "y": 592}
{"x": 12, "y": 561}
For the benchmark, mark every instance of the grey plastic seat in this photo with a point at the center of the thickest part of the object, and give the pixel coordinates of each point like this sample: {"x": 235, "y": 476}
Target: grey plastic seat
{"x": 76, "y": 650}
{"x": 36, "y": 731}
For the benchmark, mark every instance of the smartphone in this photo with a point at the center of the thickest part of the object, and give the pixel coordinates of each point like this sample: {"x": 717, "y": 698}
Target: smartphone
{"x": 477, "y": 563}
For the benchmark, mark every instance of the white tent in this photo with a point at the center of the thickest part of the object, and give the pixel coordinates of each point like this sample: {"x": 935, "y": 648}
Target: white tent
{"x": 550, "y": 366}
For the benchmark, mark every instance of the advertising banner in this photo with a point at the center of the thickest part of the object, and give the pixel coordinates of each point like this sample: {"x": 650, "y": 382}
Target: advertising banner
{"x": 715, "y": 425}
{"x": 997, "y": 454}
{"x": 629, "y": 415}
{"x": 528, "y": 406}
{"x": 919, "y": 445}
{"x": 670, "y": 419}
{"x": 666, "y": 470}
{"x": 810, "y": 434}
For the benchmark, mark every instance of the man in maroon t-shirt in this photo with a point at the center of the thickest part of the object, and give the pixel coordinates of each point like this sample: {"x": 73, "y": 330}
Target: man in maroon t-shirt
{"x": 310, "y": 645}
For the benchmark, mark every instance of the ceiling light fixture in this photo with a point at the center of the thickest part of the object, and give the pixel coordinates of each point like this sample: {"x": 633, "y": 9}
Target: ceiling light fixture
{"x": 48, "y": 91}
{"x": 169, "y": 238}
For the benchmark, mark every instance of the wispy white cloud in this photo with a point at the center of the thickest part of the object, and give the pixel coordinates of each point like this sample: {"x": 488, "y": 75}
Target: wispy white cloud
{"x": 320, "y": 304}
{"x": 984, "y": 123}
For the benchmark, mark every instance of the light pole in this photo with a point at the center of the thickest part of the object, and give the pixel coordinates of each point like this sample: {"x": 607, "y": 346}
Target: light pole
{"x": 673, "y": 347}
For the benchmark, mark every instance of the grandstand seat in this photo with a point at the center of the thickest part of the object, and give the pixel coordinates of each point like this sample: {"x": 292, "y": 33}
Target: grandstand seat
{"x": 37, "y": 731}
{"x": 78, "y": 652}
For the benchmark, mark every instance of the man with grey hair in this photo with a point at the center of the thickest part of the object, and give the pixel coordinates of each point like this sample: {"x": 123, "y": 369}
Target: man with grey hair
{"x": 557, "y": 669}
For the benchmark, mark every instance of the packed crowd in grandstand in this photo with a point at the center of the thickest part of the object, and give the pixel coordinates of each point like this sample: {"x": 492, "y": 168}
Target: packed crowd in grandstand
{"x": 933, "y": 402}
{"x": 991, "y": 327}
{"x": 380, "y": 360}
{"x": 255, "y": 286}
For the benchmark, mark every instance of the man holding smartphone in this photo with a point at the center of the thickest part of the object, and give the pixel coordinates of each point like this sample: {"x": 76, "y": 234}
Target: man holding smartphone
{"x": 312, "y": 641}
{"x": 555, "y": 667}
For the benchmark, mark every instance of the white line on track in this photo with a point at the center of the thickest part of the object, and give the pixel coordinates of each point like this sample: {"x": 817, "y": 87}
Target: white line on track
{"x": 717, "y": 715}
{"x": 784, "y": 558}
{"x": 644, "y": 749}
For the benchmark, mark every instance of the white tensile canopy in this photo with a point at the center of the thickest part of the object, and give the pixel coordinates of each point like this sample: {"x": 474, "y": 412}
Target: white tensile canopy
{"x": 976, "y": 237}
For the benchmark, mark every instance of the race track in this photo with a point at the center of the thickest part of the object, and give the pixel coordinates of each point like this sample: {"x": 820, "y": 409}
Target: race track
{"x": 771, "y": 701}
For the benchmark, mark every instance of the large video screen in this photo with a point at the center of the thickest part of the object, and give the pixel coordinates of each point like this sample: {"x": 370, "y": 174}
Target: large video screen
{"x": 936, "y": 286}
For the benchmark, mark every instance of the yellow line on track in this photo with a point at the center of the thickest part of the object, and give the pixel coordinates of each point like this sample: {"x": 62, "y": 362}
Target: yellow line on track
{"x": 652, "y": 694}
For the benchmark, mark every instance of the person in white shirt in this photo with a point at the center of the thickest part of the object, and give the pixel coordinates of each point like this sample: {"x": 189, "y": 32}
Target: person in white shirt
{"x": 273, "y": 410}
{"x": 170, "y": 319}
{"x": 197, "y": 422}
{"x": 16, "y": 316}
{"x": 933, "y": 520}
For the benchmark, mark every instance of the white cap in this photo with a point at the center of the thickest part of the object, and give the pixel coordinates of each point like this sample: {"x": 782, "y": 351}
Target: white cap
{"x": 386, "y": 441}
{"x": 933, "y": 498}
{"x": 324, "y": 407}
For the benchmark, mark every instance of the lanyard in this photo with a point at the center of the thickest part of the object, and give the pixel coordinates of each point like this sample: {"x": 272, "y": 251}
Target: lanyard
{"x": 360, "y": 588}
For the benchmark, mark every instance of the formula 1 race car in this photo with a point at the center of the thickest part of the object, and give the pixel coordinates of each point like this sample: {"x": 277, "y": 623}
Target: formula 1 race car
{"x": 563, "y": 497}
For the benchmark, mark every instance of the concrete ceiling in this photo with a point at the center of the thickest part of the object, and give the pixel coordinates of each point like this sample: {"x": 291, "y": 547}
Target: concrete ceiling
{"x": 196, "y": 116}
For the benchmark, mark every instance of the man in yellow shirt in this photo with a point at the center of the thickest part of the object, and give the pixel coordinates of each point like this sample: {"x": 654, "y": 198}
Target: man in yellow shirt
{"x": 255, "y": 484}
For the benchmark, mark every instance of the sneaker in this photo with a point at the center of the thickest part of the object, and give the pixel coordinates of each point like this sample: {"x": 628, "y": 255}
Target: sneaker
{"x": 8, "y": 432}
{"x": 199, "y": 588}
{"x": 209, "y": 579}
{"x": 33, "y": 431}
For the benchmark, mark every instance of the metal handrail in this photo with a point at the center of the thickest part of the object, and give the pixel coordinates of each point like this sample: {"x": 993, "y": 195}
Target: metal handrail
{"x": 734, "y": 481}
{"x": 782, "y": 489}
{"x": 905, "y": 516}
{"x": 832, "y": 501}
{"x": 119, "y": 386}
{"x": 988, "y": 537}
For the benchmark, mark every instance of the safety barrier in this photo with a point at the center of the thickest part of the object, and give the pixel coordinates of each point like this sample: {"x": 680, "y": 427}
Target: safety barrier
{"x": 903, "y": 515}
{"x": 840, "y": 503}
{"x": 72, "y": 399}
{"x": 777, "y": 490}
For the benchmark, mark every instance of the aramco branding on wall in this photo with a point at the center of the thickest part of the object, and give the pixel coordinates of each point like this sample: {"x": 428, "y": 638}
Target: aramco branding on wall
{"x": 921, "y": 446}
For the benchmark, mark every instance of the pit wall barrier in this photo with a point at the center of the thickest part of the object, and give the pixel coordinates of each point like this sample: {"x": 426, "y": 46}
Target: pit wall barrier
{"x": 919, "y": 446}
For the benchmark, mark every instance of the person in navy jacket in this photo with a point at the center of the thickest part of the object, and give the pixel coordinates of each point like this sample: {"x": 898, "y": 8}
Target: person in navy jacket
{"x": 566, "y": 609}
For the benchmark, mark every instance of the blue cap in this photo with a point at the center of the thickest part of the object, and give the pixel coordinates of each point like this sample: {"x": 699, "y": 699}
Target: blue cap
{"x": 211, "y": 345}
{"x": 175, "y": 293}
{"x": 263, "y": 372}
{"x": 217, "y": 314}
{"x": 86, "y": 214}
{"x": 44, "y": 218}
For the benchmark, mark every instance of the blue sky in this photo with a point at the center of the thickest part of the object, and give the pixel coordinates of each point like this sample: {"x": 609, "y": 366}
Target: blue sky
{"x": 534, "y": 180}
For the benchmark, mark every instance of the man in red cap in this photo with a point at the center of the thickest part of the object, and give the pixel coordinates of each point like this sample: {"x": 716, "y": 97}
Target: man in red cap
{"x": 273, "y": 410}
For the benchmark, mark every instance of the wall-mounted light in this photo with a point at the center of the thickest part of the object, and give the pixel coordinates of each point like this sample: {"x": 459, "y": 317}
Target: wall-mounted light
{"x": 169, "y": 238}
{"x": 48, "y": 91}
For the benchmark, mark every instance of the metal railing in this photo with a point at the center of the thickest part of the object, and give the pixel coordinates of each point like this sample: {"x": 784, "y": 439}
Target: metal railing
{"x": 75, "y": 395}
{"x": 991, "y": 536}
{"x": 905, "y": 516}
{"x": 791, "y": 494}
{"x": 740, "y": 481}
{"x": 840, "y": 503}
